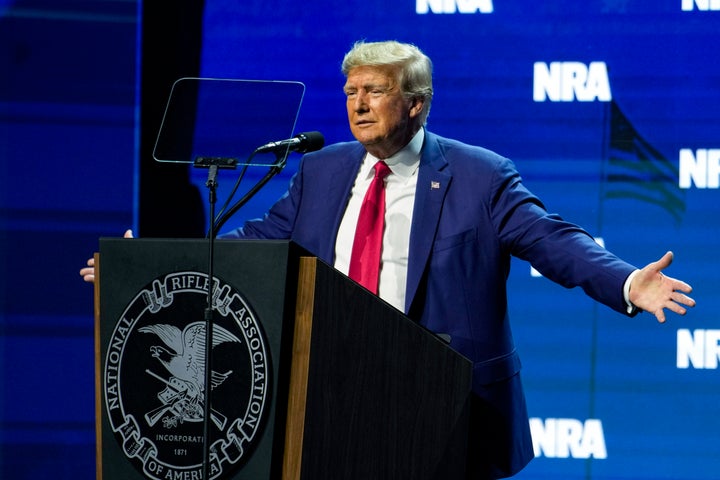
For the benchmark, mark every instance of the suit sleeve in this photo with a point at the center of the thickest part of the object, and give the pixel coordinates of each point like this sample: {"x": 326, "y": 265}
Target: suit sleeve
{"x": 561, "y": 251}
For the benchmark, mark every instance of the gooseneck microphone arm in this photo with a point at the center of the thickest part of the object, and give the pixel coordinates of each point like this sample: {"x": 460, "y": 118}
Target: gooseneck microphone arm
{"x": 274, "y": 170}
{"x": 301, "y": 143}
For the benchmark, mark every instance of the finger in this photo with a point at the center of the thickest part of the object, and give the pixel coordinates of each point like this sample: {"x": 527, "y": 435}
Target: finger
{"x": 660, "y": 315}
{"x": 684, "y": 287}
{"x": 681, "y": 299}
{"x": 676, "y": 308}
{"x": 678, "y": 285}
{"x": 91, "y": 262}
{"x": 128, "y": 234}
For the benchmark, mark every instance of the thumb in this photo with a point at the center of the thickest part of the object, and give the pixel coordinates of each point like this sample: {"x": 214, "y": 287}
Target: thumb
{"x": 128, "y": 234}
{"x": 664, "y": 262}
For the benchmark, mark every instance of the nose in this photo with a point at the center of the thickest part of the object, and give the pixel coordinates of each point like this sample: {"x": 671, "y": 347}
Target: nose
{"x": 359, "y": 103}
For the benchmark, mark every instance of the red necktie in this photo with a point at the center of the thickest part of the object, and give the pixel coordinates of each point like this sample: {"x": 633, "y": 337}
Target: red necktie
{"x": 367, "y": 247}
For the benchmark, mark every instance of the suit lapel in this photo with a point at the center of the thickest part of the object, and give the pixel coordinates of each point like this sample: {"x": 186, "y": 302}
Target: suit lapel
{"x": 340, "y": 177}
{"x": 432, "y": 185}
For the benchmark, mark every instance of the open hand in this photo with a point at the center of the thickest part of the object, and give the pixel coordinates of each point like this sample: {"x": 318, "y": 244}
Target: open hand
{"x": 653, "y": 292}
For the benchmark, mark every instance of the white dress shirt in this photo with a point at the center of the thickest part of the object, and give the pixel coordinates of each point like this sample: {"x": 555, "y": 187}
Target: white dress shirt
{"x": 399, "y": 203}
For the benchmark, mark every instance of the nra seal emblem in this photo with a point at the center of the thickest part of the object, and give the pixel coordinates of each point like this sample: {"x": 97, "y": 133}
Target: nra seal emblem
{"x": 154, "y": 379}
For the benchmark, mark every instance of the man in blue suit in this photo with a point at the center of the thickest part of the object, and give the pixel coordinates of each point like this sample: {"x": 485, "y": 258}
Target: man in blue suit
{"x": 454, "y": 216}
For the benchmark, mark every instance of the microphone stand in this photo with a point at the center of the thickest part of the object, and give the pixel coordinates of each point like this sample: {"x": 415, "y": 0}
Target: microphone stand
{"x": 212, "y": 164}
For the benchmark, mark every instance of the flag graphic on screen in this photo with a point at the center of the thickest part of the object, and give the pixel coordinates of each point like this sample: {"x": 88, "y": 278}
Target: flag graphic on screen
{"x": 635, "y": 169}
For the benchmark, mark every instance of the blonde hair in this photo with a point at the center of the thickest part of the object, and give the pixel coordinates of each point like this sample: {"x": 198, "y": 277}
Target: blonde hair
{"x": 415, "y": 75}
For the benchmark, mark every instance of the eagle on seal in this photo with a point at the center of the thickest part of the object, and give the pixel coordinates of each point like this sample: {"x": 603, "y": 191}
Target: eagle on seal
{"x": 184, "y": 354}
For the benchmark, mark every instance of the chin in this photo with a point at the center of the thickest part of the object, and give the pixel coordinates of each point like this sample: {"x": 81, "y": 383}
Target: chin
{"x": 365, "y": 137}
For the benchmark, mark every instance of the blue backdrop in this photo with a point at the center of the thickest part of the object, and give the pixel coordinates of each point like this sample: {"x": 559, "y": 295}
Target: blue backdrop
{"x": 609, "y": 109}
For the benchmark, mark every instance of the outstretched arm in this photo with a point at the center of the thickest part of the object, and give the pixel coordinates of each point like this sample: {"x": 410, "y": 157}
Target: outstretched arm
{"x": 653, "y": 292}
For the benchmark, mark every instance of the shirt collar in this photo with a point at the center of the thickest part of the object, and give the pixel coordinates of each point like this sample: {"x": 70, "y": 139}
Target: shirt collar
{"x": 404, "y": 163}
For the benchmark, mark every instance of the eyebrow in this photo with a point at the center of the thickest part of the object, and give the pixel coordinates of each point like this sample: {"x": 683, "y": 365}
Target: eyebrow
{"x": 368, "y": 87}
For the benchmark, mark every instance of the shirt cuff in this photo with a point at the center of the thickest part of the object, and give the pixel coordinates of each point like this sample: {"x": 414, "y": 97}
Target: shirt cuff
{"x": 626, "y": 293}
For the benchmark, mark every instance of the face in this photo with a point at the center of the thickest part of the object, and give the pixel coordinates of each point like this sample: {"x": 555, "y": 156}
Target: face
{"x": 380, "y": 116}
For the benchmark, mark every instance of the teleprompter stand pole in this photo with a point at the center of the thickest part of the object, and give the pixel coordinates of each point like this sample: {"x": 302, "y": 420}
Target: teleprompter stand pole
{"x": 212, "y": 164}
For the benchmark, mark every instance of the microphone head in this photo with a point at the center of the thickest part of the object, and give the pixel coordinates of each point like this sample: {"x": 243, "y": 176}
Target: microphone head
{"x": 310, "y": 141}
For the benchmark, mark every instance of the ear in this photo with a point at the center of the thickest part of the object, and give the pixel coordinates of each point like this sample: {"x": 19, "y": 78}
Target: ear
{"x": 416, "y": 106}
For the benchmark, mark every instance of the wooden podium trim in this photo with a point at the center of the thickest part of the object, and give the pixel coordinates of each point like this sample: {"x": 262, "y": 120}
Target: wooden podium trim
{"x": 292, "y": 457}
{"x": 98, "y": 374}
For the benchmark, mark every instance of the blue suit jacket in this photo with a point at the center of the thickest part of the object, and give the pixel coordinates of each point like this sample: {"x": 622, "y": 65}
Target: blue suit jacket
{"x": 472, "y": 213}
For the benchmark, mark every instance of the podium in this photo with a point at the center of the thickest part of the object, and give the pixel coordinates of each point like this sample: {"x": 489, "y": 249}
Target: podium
{"x": 313, "y": 376}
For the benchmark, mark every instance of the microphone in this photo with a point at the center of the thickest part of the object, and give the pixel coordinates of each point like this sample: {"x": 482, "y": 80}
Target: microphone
{"x": 302, "y": 143}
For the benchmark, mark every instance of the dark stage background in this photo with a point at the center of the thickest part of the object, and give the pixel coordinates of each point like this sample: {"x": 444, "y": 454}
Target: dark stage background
{"x": 609, "y": 109}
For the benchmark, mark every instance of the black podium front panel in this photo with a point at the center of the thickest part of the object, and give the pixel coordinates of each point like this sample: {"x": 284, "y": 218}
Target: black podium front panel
{"x": 153, "y": 295}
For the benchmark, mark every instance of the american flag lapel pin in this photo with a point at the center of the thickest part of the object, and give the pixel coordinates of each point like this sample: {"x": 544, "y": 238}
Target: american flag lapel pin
{"x": 434, "y": 185}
